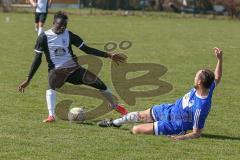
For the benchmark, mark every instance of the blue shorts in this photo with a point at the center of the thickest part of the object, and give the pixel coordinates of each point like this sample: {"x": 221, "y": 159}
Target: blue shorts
{"x": 163, "y": 122}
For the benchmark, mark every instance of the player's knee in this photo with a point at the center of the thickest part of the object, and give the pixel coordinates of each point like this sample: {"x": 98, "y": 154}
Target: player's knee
{"x": 143, "y": 116}
{"x": 136, "y": 130}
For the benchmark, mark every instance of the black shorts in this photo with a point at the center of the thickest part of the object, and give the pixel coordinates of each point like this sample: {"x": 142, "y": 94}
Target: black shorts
{"x": 74, "y": 75}
{"x": 40, "y": 17}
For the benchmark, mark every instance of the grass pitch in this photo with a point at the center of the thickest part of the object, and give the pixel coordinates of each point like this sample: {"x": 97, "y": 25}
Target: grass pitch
{"x": 182, "y": 45}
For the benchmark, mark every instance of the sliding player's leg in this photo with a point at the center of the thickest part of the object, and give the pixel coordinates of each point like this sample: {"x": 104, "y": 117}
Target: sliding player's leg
{"x": 142, "y": 116}
{"x": 83, "y": 76}
{"x": 147, "y": 128}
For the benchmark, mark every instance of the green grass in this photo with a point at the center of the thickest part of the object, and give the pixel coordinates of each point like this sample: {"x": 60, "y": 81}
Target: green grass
{"x": 182, "y": 45}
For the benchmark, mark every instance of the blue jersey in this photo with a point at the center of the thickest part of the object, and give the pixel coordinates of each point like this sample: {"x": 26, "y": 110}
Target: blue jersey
{"x": 186, "y": 113}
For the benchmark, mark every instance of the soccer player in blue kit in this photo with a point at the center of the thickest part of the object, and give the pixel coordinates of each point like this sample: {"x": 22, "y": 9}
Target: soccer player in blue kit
{"x": 188, "y": 113}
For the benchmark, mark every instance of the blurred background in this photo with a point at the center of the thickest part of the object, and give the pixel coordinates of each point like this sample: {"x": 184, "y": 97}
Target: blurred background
{"x": 213, "y": 7}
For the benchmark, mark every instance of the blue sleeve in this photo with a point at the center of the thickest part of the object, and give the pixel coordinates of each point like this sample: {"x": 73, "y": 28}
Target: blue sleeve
{"x": 199, "y": 118}
{"x": 212, "y": 87}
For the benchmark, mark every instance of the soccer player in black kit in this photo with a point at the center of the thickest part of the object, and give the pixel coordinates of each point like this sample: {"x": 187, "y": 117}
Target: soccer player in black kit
{"x": 56, "y": 43}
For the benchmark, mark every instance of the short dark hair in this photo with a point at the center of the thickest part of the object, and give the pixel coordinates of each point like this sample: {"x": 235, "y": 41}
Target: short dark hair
{"x": 61, "y": 15}
{"x": 207, "y": 77}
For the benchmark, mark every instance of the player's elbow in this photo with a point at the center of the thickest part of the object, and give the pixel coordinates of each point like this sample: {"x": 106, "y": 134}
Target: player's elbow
{"x": 217, "y": 80}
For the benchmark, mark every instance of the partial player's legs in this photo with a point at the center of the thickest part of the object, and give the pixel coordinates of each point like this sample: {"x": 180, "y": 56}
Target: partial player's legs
{"x": 36, "y": 21}
{"x": 36, "y": 27}
{"x": 143, "y": 129}
{"x": 40, "y": 19}
{"x": 56, "y": 78}
{"x": 83, "y": 76}
{"x": 51, "y": 102}
{"x": 146, "y": 116}
{"x": 142, "y": 116}
{"x": 40, "y": 28}
{"x": 156, "y": 119}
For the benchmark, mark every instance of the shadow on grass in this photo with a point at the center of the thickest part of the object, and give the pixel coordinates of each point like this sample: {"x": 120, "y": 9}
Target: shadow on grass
{"x": 221, "y": 137}
{"x": 95, "y": 123}
{"x": 89, "y": 123}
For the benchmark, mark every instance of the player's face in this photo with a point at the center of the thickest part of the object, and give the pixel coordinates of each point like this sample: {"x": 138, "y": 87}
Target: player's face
{"x": 197, "y": 80}
{"x": 59, "y": 25}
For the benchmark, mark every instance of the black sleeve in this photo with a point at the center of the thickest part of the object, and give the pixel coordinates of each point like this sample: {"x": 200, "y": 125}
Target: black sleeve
{"x": 78, "y": 42}
{"x": 39, "y": 49}
{"x": 36, "y": 63}
{"x": 75, "y": 40}
{"x": 40, "y": 45}
{"x": 93, "y": 51}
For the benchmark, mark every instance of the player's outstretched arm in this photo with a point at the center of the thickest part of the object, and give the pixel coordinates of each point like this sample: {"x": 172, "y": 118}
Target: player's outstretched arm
{"x": 78, "y": 42}
{"x": 36, "y": 63}
{"x": 196, "y": 133}
{"x": 116, "y": 57}
{"x": 218, "y": 70}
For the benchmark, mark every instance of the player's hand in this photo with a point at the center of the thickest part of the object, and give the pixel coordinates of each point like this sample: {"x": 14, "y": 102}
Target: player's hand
{"x": 118, "y": 57}
{"x": 23, "y": 85}
{"x": 173, "y": 138}
{"x": 218, "y": 52}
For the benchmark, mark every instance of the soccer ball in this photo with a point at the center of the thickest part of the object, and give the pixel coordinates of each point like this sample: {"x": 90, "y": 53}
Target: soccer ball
{"x": 76, "y": 115}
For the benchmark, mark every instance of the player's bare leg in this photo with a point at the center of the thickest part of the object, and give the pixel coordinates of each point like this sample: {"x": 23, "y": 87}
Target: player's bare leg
{"x": 40, "y": 27}
{"x": 143, "y": 129}
{"x": 99, "y": 84}
{"x": 36, "y": 27}
{"x": 142, "y": 116}
{"x": 111, "y": 99}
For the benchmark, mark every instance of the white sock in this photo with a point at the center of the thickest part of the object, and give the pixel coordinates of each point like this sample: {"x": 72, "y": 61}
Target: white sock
{"x": 51, "y": 100}
{"x": 40, "y": 30}
{"x": 109, "y": 96}
{"x": 130, "y": 117}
